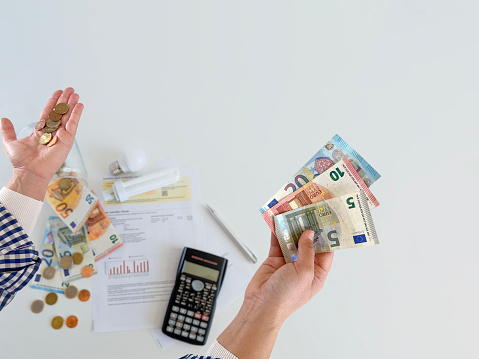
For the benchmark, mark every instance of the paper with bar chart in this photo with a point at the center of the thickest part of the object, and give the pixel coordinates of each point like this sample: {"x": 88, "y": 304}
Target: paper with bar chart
{"x": 133, "y": 284}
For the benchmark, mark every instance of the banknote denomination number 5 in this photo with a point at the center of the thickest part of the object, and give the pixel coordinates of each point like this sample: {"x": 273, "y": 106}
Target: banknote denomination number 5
{"x": 89, "y": 199}
{"x": 335, "y": 239}
{"x": 336, "y": 174}
{"x": 350, "y": 201}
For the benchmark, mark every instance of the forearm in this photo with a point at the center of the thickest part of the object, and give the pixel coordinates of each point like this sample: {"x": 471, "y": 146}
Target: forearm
{"x": 28, "y": 184}
{"x": 253, "y": 332}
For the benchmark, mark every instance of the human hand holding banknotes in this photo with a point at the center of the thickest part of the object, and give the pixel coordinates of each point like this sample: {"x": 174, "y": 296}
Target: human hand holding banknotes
{"x": 33, "y": 163}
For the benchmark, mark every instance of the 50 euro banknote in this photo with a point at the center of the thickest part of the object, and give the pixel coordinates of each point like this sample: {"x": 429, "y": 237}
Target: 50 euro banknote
{"x": 102, "y": 235}
{"x": 339, "y": 179}
{"x": 338, "y": 223}
{"x": 49, "y": 259}
{"x": 71, "y": 200}
{"x": 66, "y": 243}
{"x": 331, "y": 153}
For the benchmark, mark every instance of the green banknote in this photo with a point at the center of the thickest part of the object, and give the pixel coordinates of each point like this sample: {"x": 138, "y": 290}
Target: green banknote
{"x": 338, "y": 223}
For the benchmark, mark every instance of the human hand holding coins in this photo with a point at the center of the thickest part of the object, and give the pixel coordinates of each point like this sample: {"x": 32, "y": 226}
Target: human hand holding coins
{"x": 36, "y": 158}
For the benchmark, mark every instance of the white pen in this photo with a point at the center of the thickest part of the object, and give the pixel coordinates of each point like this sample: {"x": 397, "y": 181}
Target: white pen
{"x": 246, "y": 251}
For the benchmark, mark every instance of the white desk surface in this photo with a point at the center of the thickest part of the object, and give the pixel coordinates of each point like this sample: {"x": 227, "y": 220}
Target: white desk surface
{"x": 247, "y": 91}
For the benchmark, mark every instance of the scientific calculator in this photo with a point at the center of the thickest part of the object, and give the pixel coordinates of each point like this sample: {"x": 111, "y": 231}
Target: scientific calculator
{"x": 192, "y": 302}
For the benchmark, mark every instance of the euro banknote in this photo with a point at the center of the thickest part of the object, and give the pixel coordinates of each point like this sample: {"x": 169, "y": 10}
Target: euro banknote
{"x": 71, "y": 200}
{"x": 66, "y": 243}
{"x": 338, "y": 180}
{"x": 338, "y": 223}
{"x": 102, "y": 235}
{"x": 331, "y": 153}
{"x": 49, "y": 259}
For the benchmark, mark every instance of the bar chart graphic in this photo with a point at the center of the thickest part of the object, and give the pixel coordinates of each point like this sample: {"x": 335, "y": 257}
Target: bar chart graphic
{"x": 128, "y": 267}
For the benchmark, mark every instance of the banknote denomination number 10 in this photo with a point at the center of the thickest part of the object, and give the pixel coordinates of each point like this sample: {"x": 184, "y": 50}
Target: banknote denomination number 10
{"x": 336, "y": 174}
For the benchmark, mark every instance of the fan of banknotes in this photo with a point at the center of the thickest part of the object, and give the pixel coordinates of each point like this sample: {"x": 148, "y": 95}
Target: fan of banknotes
{"x": 330, "y": 195}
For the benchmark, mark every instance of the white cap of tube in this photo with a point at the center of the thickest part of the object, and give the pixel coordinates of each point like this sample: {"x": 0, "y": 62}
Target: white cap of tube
{"x": 121, "y": 191}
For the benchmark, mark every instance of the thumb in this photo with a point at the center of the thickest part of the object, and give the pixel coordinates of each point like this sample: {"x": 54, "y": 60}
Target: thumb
{"x": 306, "y": 251}
{"x": 8, "y": 131}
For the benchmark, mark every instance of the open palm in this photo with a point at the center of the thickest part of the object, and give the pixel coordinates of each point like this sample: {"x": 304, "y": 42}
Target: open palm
{"x": 27, "y": 155}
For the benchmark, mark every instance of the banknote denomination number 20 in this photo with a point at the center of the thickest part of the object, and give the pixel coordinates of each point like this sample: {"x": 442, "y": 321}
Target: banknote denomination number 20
{"x": 336, "y": 174}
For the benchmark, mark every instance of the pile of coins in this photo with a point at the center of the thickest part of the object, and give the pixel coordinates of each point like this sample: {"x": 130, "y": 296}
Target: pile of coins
{"x": 67, "y": 262}
{"x": 51, "y": 125}
{"x": 51, "y": 298}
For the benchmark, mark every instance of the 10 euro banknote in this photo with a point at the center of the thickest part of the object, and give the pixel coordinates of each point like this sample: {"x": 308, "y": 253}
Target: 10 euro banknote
{"x": 338, "y": 223}
{"x": 331, "y": 153}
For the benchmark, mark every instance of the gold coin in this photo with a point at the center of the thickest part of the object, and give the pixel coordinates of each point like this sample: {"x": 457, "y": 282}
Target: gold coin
{"x": 45, "y": 138}
{"x": 66, "y": 262}
{"x": 61, "y": 108}
{"x": 87, "y": 271}
{"x": 49, "y": 272}
{"x": 77, "y": 258}
{"x": 47, "y": 129}
{"x": 65, "y": 184}
{"x": 72, "y": 321}
{"x": 84, "y": 295}
{"x": 55, "y": 117}
{"x": 71, "y": 292}
{"x": 51, "y": 298}
{"x": 40, "y": 125}
{"x": 57, "y": 322}
{"x": 53, "y": 141}
{"x": 51, "y": 123}
{"x": 37, "y": 306}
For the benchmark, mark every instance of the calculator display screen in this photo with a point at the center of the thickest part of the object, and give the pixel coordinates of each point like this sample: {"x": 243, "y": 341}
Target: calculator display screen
{"x": 201, "y": 271}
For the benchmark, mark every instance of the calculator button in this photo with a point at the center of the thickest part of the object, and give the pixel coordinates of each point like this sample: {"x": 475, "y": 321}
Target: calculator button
{"x": 205, "y": 318}
{"x": 179, "y": 324}
{"x": 185, "y": 334}
{"x": 169, "y": 329}
{"x": 190, "y": 313}
{"x": 174, "y": 315}
{"x": 201, "y": 331}
{"x": 188, "y": 320}
{"x": 194, "y": 329}
{"x": 175, "y": 308}
{"x": 181, "y": 317}
{"x": 183, "y": 311}
{"x": 200, "y": 339}
{"x": 178, "y": 331}
{"x": 186, "y": 327}
{"x": 208, "y": 287}
{"x": 177, "y": 302}
{"x": 192, "y": 336}
{"x": 198, "y": 315}
{"x": 172, "y": 322}
{"x": 196, "y": 322}
{"x": 188, "y": 280}
{"x": 198, "y": 285}
{"x": 202, "y": 325}
{"x": 214, "y": 287}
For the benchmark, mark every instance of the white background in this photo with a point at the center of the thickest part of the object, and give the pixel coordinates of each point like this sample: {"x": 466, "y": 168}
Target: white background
{"x": 248, "y": 91}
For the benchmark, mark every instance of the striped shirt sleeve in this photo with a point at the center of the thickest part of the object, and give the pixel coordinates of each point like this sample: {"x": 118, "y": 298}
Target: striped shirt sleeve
{"x": 19, "y": 260}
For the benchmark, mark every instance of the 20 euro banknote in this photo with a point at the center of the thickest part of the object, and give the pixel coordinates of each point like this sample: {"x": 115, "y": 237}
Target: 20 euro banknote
{"x": 331, "y": 153}
{"x": 338, "y": 180}
{"x": 338, "y": 223}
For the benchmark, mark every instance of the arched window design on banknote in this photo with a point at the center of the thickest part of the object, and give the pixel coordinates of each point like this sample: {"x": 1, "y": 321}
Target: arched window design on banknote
{"x": 321, "y": 219}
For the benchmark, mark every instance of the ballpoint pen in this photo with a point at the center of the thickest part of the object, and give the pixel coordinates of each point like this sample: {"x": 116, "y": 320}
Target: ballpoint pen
{"x": 246, "y": 251}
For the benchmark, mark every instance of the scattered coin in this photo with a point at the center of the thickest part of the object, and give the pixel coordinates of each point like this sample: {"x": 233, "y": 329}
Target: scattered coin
{"x": 72, "y": 321}
{"x": 40, "y": 125}
{"x": 57, "y": 322}
{"x": 71, "y": 292}
{"x": 87, "y": 271}
{"x": 55, "y": 117}
{"x": 51, "y": 298}
{"x": 37, "y": 306}
{"x": 61, "y": 108}
{"x": 45, "y": 138}
{"x": 65, "y": 184}
{"x": 53, "y": 141}
{"x": 84, "y": 295}
{"x": 77, "y": 257}
{"x": 49, "y": 272}
{"x": 66, "y": 262}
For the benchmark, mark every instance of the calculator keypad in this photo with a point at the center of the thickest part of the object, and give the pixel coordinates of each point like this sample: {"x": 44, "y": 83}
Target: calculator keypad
{"x": 193, "y": 304}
